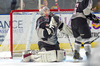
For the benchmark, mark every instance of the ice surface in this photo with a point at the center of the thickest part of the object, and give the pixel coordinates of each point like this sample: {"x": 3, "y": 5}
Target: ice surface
{"x": 68, "y": 62}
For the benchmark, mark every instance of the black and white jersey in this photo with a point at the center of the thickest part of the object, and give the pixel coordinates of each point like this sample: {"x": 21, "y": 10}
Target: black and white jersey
{"x": 82, "y": 9}
{"x": 41, "y": 32}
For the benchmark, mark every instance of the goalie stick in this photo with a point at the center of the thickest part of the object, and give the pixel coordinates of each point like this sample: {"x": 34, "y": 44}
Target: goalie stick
{"x": 61, "y": 19}
{"x": 58, "y": 7}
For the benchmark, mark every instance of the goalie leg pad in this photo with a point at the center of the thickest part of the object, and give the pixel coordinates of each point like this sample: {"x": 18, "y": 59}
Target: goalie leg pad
{"x": 46, "y": 56}
{"x": 49, "y": 56}
{"x": 61, "y": 55}
{"x": 26, "y": 56}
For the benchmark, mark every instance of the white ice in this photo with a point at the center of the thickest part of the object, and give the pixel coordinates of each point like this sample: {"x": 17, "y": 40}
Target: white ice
{"x": 68, "y": 62}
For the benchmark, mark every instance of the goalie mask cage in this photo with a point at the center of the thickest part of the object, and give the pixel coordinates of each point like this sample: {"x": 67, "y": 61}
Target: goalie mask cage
{"x": 22, "y": 32}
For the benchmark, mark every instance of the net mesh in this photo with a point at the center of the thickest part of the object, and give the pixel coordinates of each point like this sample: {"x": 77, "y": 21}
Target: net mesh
{"x": 22, "y": 34}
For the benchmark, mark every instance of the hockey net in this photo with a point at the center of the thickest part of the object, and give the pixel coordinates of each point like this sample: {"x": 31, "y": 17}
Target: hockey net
{"x": 22, "y": 34}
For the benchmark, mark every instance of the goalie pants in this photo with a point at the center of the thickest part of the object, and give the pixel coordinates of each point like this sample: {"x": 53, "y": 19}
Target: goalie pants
{"x": 80, "y": 27}
{"x": 48, "y": 47}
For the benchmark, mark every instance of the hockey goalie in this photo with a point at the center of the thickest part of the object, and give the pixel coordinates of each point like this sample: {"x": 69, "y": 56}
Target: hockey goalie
{"x": 46, "y": 27}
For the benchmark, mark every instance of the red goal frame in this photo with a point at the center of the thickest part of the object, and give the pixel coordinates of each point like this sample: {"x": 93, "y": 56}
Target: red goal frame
{"x": 11, "y": 23}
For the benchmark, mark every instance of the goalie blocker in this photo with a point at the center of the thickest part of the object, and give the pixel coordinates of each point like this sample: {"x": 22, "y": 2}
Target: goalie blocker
{"x": 45, "y": 56}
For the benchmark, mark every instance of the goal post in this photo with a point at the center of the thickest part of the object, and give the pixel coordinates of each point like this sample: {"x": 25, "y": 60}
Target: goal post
{"x": 11, "y": 29}
{"x": 27, "y": 38}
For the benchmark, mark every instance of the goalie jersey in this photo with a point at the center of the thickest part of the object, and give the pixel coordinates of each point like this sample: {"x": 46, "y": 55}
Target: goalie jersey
{"x": 42, "y": 24}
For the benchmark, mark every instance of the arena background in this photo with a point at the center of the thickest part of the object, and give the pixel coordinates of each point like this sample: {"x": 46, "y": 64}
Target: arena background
{"x": 5, "y": 5}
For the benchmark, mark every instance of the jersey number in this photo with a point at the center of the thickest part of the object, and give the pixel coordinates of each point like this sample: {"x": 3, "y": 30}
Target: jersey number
{"x": 76, "y": 6}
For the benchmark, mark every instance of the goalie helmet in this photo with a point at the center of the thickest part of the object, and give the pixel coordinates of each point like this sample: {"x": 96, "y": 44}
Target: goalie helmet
{"x": 43, "y": 8}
